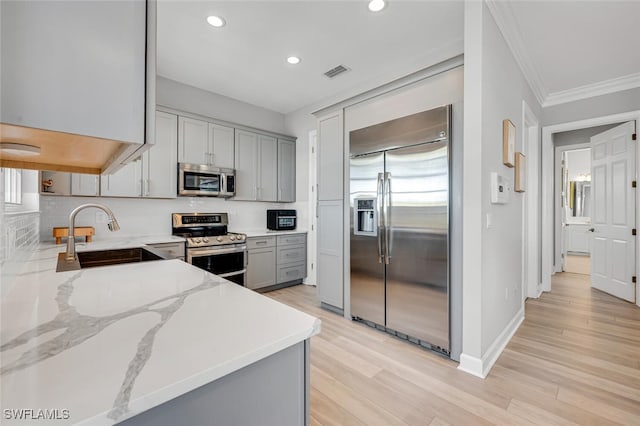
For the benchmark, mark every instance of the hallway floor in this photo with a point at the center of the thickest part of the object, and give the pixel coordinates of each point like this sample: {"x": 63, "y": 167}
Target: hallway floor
{"x": 574, "y": 360}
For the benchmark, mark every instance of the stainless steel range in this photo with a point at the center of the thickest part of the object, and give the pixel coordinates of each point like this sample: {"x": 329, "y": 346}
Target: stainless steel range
{"x": 210, "y": 246}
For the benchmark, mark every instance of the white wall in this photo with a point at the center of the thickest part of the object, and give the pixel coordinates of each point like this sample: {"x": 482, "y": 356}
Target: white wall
{"x": 612, "y": 103}
{"x": 173, "y": 94}
{"x": 494, "y": 90}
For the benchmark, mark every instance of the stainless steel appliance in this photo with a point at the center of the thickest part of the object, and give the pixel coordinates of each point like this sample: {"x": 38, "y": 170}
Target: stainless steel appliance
{"x": 205, "y": 180}
{"x": 281, "y": 220}
{"x": 209, "y": 246}
{"x": 399, "y": 194}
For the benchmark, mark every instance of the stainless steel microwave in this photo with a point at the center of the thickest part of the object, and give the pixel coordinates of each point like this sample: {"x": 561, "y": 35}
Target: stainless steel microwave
{"x": 202, "y": 180}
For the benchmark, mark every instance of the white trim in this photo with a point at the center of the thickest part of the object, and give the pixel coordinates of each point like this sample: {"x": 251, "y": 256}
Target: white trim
{"x": 470, "y": 364}
{"x": 482, "y": 367}
{"x": 618, "y": 84}
{"x": 312, "y": 261}
{"x": 547, "y": 185}
{"x": 497, "y": 347}
{"x": 559, "y": 230}
{"x": 531, "y": 285}
{"x": 506, "y": 22}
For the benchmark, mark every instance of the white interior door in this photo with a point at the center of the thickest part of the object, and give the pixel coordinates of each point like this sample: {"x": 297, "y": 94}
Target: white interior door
{"x": 613, "y": 168}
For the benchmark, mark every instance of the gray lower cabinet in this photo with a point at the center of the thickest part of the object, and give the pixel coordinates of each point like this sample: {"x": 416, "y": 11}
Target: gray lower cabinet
{"x": 271, "y": 391}
{"x": 261, "y": 265}
{"x": 170, "y": 250}
{"x": 278, "y": 259}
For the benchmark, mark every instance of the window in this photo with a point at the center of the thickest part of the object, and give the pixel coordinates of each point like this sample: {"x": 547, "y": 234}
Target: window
{"x": 12, "y": 186}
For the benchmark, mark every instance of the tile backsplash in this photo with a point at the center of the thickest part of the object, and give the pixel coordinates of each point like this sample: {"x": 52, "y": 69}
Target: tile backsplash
{"x": 153, "y": 216}
{"x": 20, "y": 235}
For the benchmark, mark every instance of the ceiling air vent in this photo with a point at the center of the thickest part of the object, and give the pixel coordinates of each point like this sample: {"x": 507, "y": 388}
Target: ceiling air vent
{"x": 335, "y": 71}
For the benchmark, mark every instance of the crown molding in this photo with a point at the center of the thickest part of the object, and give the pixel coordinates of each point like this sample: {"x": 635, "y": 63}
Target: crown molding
{"x": 505, "y": 19}
{"x": 618, "y": 84}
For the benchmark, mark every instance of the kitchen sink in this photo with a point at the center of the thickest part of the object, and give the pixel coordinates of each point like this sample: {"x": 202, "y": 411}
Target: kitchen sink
{"x": 92, "y": 259}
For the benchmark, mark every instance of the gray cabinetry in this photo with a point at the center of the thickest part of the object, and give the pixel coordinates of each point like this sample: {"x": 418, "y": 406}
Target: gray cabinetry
{"x": 63, "y": 74}
{"x": 286, "y": 170}
{"x": 261, "y": 267}
{"x": 170, "y": 250}
{"x": 330, "y": 253}
{"x": 246, "y": 153}
{"x": 193, "y": 141}
{"x": 85, "y": 185}
{"x": 201, "y": 142}
{"x": 256, "y": 166}
{"x": 126, "y": 182}
{"x": 268, "y": 160}
{"x": 274, "y": 260}
{"x": 159, "y": 171}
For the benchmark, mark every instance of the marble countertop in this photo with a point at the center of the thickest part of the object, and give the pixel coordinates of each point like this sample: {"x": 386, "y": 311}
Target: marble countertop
{"x": 108, "y": 343}
{"x": 267, "y": 232}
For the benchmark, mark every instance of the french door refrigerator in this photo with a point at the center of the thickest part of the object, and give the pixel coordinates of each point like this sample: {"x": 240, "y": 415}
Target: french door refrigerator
{"x": 399, "y": 231}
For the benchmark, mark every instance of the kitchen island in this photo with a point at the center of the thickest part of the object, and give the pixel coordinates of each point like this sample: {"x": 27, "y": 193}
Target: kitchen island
{"x": 158, "y": 342}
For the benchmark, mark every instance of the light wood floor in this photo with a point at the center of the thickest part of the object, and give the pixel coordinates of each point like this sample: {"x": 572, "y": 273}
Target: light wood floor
{"x": 578, "y": 264}
{"x": 574, "y": 360}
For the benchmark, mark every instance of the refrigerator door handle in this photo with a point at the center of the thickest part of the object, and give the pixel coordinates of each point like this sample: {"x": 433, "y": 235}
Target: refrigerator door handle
{"x": 380, "y": 213}
{"x": 387, "y": 218}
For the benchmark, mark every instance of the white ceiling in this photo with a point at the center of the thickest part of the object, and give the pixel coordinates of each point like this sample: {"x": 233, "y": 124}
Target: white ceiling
{"x": 573, "y": 49}
{"x": 567, "y": 50}
{"x": 246, "y": 59}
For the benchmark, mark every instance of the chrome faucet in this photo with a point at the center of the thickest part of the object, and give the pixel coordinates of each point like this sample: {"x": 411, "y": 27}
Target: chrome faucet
{"x": 71, "y": 243}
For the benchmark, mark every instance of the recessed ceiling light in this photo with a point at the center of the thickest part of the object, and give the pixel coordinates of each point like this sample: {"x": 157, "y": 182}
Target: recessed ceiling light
{"x": 293, "y": 60}
{"x": 19, "y": 148}
{"x": 216, "y": 21}
{"x": 377, "y": 5}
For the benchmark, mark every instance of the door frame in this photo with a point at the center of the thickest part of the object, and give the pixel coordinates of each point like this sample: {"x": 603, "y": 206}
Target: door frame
{"x": 548, "y": 187}
{"x": 558, "y": 229}
{"x": 312, "y": 225}
{"x": 531, "y": 282}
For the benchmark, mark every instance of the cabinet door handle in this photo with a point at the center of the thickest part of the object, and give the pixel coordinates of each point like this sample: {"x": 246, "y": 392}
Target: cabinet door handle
{"x": 147, "y": 187}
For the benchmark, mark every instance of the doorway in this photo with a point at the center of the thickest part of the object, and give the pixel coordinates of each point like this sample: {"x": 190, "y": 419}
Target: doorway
{"x": 569, "y": 201}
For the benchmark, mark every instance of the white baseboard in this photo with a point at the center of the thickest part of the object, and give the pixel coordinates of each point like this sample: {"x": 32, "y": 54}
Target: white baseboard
{"x": 470, "y": 364}
{"x": 481, "y": 367}
{"x": 498, "y": 345}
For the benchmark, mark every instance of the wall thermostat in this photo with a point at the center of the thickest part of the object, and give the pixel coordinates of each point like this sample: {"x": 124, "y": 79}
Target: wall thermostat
{"x": 500, "y": 188}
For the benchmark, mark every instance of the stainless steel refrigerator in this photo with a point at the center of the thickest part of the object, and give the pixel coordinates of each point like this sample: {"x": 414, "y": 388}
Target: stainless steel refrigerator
{"x": 399, "y": 195}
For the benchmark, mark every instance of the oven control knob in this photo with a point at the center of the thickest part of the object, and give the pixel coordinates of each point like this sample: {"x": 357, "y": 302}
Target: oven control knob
{"x": 232, "y": 237}
{"x": 205, "y": 240}
{"x": 241, "y": 237}
{"x": 197, "y": 240}
{"x": 219, "y": 239}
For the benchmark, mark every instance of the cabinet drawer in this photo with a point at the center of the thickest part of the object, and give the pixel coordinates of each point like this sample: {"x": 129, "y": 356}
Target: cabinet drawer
{"x": 291, "y": 272}
{"x": 284, "y": 240}
{"x": 292, "y": 254}
{"x": 170, "y": 250}
{"x": 260, "y": 242}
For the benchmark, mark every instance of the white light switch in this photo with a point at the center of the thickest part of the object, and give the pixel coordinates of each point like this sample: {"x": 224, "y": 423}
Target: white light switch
{"x": 500, "y": 189}
{"x": 489, "y": 220}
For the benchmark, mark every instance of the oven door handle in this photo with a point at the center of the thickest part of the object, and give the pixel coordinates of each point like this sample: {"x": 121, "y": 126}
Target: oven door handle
{"x": 212, "y": 252}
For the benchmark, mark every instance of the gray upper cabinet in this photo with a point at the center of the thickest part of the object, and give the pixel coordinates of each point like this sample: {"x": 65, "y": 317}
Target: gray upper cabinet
{"x": 85, "y": 185}
{"x": 201, "y": 142}
{"x": 268, "y": 171}
{"x": 221, "y": 145}
{"x": 159, "y": 169}
{"x": 81, "y": 67}
{"x": 193, "y": 141}
{"x": 246, "y": 153}
{"x": 286, "y": 170}
{"x": 331, "y": 157}
{"x": 126, "y": 182}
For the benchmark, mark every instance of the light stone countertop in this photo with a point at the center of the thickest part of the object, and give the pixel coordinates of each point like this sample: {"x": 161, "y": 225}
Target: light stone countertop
{"x": 110, "y": 342}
